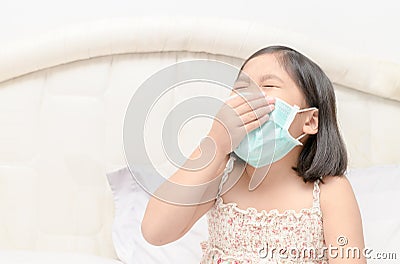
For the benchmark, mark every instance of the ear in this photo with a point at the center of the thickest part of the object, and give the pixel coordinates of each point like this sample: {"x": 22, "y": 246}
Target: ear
{"x": 311, "y": 122}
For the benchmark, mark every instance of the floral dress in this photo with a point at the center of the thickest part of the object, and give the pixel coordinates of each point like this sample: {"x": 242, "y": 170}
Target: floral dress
{"x": 251, "y": 236}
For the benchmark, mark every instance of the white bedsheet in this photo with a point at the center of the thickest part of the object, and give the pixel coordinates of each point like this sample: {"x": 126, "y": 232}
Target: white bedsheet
{"x": 377, "y": 190}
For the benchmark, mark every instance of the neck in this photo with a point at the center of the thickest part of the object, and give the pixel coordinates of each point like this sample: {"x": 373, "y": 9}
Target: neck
{"x": 279, "y": 172}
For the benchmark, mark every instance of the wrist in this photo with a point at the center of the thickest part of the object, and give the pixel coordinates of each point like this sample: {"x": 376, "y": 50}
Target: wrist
{"x": 220, "y": 144}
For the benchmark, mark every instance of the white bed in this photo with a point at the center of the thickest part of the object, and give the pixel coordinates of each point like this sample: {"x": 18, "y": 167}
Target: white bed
{"x": 63, "y": 97}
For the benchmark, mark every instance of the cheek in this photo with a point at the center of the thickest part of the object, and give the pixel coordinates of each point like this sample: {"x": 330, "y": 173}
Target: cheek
{"x": 275, "y": 92}
{"x": 290, "y": 96}
{"x": 296, "y": 128}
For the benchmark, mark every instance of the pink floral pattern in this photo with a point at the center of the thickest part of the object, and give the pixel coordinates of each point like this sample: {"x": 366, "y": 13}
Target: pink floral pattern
{"x": 249, "y": 236}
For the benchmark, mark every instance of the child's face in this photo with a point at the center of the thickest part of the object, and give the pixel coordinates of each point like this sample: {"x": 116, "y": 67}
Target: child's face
{"x": 277, "y": 84}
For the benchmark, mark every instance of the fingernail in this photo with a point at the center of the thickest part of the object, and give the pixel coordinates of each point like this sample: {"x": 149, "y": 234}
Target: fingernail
{"x": 270, "y": 100}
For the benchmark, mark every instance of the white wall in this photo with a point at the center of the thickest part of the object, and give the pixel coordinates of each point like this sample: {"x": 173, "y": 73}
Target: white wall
{"x": 369, "y": 28}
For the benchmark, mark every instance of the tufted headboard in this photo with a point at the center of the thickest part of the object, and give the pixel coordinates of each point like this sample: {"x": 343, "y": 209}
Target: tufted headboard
{"x": 64, "y": 94}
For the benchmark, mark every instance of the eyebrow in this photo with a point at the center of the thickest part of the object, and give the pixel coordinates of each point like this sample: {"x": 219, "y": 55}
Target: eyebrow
{"x": 270, "y": 76}
{"x": 263, "y": 78}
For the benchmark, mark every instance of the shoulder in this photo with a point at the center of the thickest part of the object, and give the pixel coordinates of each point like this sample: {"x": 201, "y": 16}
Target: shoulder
{"x": 341, "y": 216}
{"x": 335, "y": 183}
{"x": 336, "y": 192}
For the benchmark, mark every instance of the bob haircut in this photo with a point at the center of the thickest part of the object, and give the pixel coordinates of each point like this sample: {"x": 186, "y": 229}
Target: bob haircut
{"x": 323, "y": 154}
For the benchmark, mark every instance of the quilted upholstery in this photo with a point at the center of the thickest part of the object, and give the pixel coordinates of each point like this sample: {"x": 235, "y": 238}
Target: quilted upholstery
{"x": 63, "y": 99}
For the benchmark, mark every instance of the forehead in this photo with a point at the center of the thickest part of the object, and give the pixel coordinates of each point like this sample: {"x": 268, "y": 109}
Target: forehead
{"x": 268, "y": 65}
{"x": 265, "y": 67}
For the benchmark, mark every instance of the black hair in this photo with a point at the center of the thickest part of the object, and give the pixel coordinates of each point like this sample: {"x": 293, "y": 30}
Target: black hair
{"x": 323, "y": 154}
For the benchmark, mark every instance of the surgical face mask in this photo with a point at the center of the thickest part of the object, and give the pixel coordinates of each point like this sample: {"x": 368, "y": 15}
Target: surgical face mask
{"x": 271, "y": 141}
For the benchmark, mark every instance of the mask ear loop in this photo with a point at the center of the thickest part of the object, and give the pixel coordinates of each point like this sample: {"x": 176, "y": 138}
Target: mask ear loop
{"x": 307, "y": 109}
{"x": 301, "y": 136}
{"x": 227, "y": 170}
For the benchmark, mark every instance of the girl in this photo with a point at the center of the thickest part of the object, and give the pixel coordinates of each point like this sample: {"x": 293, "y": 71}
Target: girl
{"x": 286, "y": 199}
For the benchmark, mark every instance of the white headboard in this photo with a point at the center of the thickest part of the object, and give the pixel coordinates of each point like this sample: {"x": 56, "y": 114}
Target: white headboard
{"x": 63, "y": 98}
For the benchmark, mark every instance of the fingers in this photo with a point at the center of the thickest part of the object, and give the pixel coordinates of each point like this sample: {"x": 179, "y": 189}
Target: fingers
{"x": 242, "y": 98}
{"x": 254, "y": 105}
{"x": 256, "y": 123}
{"x": 256, "y": 114}
{"x": 241, "y": 113}
{"x": 249, "y": 107}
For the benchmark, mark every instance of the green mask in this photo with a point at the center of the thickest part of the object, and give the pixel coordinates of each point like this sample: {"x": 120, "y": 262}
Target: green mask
{"x": 271, "y": 141}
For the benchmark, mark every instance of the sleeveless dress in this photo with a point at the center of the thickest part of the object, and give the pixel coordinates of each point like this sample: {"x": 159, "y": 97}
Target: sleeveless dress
{"x": 251, "y": 236}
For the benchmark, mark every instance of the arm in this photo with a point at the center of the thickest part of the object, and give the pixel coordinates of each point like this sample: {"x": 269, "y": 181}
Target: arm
{"x": 165, "y": 222}
{"x": 341, "y": 218}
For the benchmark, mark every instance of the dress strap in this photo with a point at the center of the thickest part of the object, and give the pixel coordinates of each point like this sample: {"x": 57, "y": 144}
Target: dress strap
{"x": 227, "y": 170}
{"x": 316, "y": 193}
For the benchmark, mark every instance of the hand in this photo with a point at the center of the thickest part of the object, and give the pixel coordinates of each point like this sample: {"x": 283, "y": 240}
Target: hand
{"x": 241, "y": 113}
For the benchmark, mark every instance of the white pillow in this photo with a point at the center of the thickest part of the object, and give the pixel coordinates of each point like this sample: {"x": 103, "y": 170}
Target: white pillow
{"x": 131, "y": 248}
{"x": 377, "y": 190}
